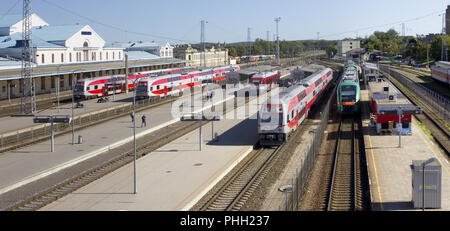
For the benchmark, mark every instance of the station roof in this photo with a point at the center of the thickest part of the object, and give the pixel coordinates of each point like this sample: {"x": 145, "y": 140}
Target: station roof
{"x": 13, "y": 72}
{"x": 8, "y": 63}
{"x": 36, "y": 41}
{"x": 56, "y": 33}
{"x": 255, "y": 69}
{"x": 140, "y": 55}
{"x": 381, "y": 97}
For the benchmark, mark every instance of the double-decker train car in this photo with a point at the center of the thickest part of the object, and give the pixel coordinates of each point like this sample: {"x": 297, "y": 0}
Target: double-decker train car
{"x": 107, "y": 85}
{"x": 281, "y": 115}
{"x": 348, "y": 91}
{"x": 265, "y": 79}
{"x": 177, "y": 82}
{"x": 441, "y": 72}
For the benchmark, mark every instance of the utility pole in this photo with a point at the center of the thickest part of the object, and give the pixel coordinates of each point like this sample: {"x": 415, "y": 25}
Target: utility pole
{"x": 317, "y": 44}
{"x": 249, "y": 42}
{"x": 444, "y": 40}
{"x": 403, "y": 45}
{"x": 268, "y": 43}
{"x": 277, "y": 20}
{"x": 26, "y": 60}
{"x": 202, "y": 41}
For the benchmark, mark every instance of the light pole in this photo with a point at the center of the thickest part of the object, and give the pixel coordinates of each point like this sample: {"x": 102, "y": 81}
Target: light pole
{"x": 134, "y": 131}
{"x": 73, "y": 99}
{"x": 126, "y": 68}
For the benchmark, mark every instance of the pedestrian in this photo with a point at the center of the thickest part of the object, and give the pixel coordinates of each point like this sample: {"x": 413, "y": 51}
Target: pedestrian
{"x": 144, "y": 122}
{"x": 132, "y": 116}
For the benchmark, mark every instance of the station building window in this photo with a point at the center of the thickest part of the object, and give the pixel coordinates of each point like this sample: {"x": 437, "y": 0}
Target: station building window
{"x": 62, "y": 57}
{"x": 42, "y": 58}
{"x": 53, "y": 58}
{"x": 70, "y": 57}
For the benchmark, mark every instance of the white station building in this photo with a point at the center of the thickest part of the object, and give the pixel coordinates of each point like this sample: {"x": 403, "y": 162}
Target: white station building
{"x": 64, "y": 44}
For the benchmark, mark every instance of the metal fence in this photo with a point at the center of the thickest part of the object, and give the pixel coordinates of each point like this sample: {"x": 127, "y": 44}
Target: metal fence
{"x": 438, "y": 103}
{"x": 41, "y": 132}
{"x": 293, "y": 194}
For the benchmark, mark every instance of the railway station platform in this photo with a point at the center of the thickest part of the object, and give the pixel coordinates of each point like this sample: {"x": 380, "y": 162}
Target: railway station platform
{"x": 389, "y": 166}
{"x": 15, "y": 123}
{"x": 33, "y": 162}
{"x": 173, "y": 177}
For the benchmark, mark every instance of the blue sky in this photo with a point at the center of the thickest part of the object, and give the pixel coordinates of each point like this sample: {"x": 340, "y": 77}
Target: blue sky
{"x": 179, "y": 20}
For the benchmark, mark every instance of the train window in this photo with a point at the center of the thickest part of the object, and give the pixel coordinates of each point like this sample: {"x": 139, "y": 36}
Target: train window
{"x": 96, "y": 87}
{"x": 157, "y": 87}
{"x": 88, "y": 88}
{"x": 292, "y": 114}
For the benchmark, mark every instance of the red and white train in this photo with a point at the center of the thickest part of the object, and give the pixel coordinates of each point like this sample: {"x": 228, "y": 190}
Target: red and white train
{"x": 441, "y": 72}
{"x": 108, "y": 85}
{"x": 282, "y": 115}
{"x": 177, "y": 82}
{"x": 266, "y": 78}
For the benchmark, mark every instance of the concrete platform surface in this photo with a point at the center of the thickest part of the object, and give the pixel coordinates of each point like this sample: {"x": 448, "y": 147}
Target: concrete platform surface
{"x": 173, "y": 177}
{"x": 27, "y": 164}
{"x": 11, "y": 124}
{"x": 389, "y": 166}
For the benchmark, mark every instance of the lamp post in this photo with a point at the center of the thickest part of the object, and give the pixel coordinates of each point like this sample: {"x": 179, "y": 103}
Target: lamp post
{"x": 134, "y": 132}
{"x": 73, "y": 99}
{"x": 126, "y": 68}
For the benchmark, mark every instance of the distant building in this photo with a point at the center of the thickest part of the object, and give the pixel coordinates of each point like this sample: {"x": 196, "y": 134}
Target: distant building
{"x": 161, "y": 50}
{"x": 357, "y": 54}
{"x": 213, "y": 57}
{"x": 61, "y": 45}
{"x": 346, "y": 45}
{"x": 10, "y": 24}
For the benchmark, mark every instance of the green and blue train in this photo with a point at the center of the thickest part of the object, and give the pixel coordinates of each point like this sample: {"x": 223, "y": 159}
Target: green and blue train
{"x": 348, "y": 92}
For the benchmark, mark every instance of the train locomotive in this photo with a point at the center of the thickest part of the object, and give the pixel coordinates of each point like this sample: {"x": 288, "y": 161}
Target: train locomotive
{"x": 348, "y": 91}
{"x": 282, "y": 114}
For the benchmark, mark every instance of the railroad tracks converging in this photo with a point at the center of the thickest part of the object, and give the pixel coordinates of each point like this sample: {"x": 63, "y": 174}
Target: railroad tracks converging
{"x": 235, "y": 192}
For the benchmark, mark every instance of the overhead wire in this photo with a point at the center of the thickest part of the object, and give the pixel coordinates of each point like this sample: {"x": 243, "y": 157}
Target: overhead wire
{"x": 9, "y": 10}
{"x": 381, "y": 25}
{"x": 115, "y": 27}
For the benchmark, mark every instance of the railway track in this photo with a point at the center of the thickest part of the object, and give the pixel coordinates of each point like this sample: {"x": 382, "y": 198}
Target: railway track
{"x": 431, "y": 119}
{"x": 342, "y": 194}
{"x": 234, "y": 193}
{"x": 59, "y": 190}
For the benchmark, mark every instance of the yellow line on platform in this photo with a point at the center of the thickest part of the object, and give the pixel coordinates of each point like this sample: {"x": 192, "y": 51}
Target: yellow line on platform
{"x": 376, "y": 174}
{"x": 434, "y": 153}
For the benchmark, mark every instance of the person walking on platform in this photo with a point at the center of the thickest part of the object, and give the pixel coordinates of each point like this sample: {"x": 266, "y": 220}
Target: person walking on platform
{"x": 144, "y": 122}
{"x": 132, "y": 116}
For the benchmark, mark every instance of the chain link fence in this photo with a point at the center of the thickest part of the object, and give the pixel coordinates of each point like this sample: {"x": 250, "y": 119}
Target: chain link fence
{"x": 293, "y": 194}
{"x": 438, "y": 103}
